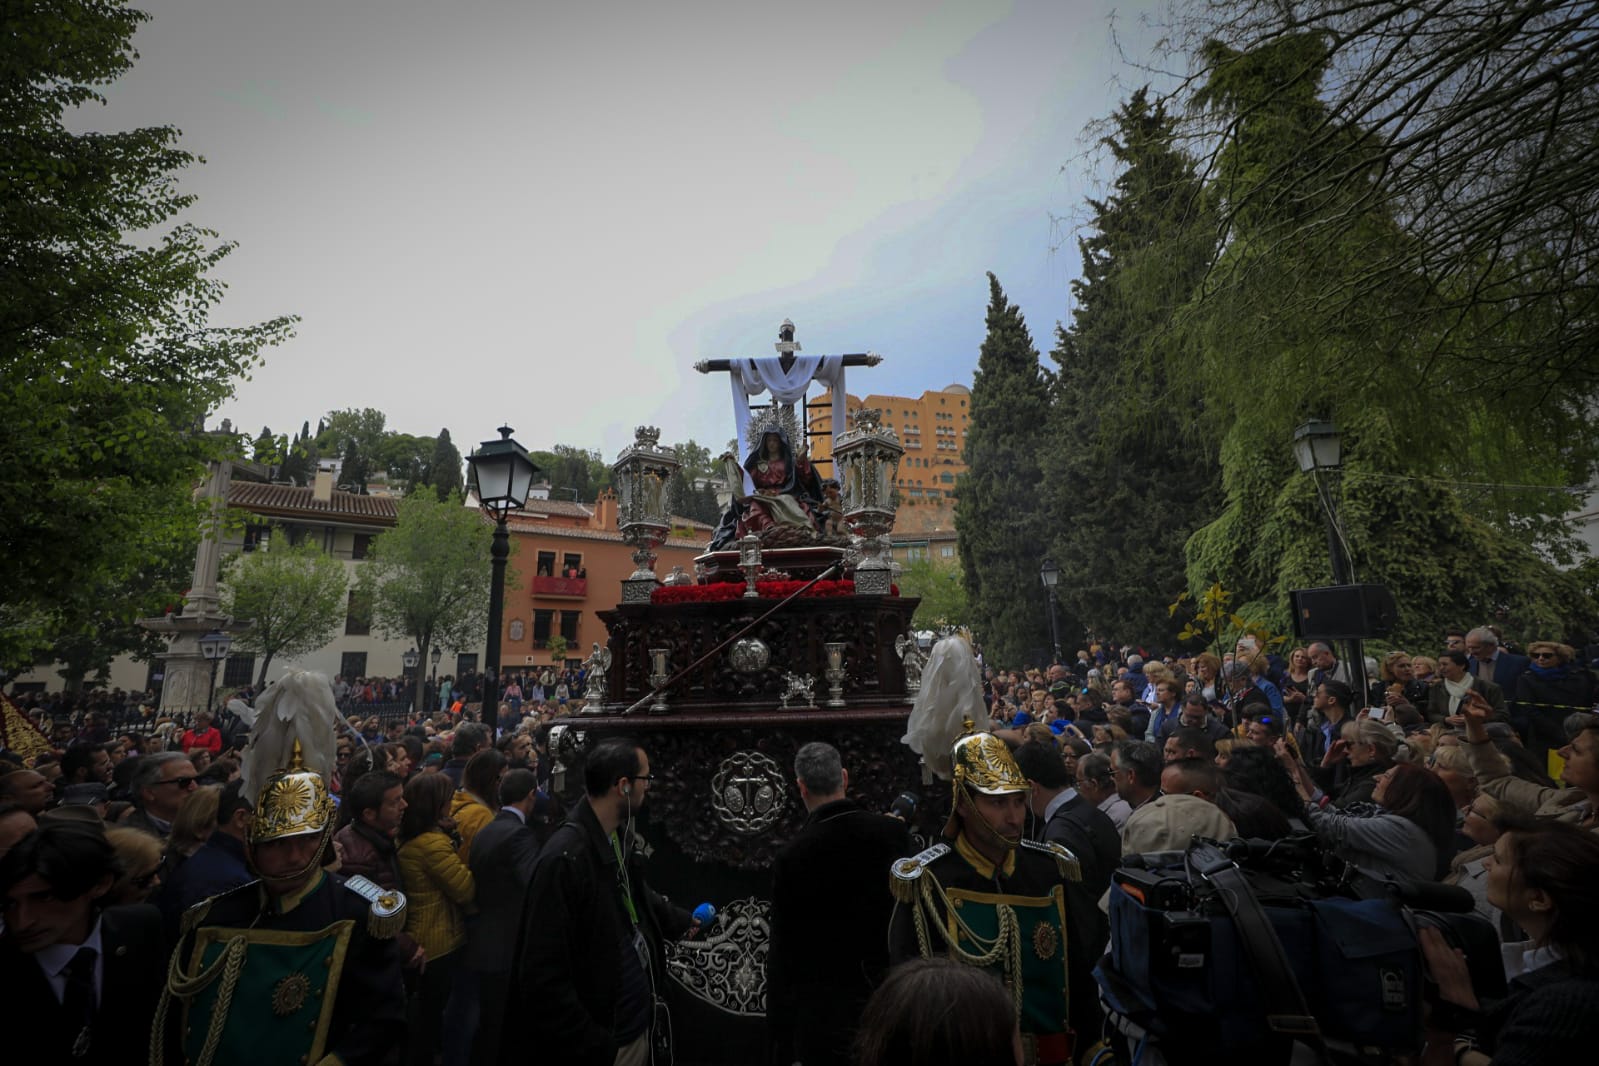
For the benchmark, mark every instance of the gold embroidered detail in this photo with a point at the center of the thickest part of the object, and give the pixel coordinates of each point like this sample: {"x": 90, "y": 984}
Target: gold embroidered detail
{"x": 289, "y": 995}
{"x": 1045, "y": 940}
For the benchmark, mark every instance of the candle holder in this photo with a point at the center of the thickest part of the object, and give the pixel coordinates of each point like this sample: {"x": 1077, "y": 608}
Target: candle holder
{"x": 867, "y": 455}
{"x": 659, "y": 675}
{"x": 835, "y": 674}
{"x": 749, "y": 561}
{"x": 643, "y": 475}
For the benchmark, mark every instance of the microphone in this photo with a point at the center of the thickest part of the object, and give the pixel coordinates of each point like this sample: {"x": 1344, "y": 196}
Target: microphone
{"x": 705, "y": 914}
{"x": 904, "y": 806}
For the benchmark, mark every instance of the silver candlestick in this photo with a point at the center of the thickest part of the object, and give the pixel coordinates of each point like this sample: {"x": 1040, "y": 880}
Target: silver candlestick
{"x": 749, "y": 561}
{"x": 835, "y": 674}
{"x": 659, "y": 675}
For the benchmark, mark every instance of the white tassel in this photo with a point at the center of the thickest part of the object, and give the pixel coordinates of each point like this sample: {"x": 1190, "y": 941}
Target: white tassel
{"x": 298, "y": 706}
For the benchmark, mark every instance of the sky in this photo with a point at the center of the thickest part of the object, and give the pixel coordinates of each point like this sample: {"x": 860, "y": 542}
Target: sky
{"x": 543, "y": 214}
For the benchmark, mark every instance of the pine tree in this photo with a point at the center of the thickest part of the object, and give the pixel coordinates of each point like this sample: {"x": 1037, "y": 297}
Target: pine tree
{"x": 998, "y": 510}
{"x": 1130, "y": 477}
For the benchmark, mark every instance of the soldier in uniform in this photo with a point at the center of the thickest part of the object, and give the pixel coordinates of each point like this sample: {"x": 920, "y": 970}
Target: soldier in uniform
{"x": 300, "y": 965}
{"x": 989, "y": 897}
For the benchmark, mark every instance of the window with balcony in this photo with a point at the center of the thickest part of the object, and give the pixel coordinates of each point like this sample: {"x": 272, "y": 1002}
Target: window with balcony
{"x": 546, "y": 565}
{"x": 541, "y": 628}
{"x": 571, "y": 564}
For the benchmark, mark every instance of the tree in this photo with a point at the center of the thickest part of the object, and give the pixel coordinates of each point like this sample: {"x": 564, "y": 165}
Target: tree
{"x": 1129, "y": 479}
{"x": 354, "y": 468}
{"x": 427, "y": 579}
{"x": 111, "y": 360}
{"x": 1263, "y": 363}
{"x": 997, "y": 509}
{"x": 444, "y": 468}
{"x": 557, "y": 648}
{"x": 941, "y": 589}
{"x": 404, "y": 459}
{"x": 576, "y": 473}
{"x": 295, "y": 598}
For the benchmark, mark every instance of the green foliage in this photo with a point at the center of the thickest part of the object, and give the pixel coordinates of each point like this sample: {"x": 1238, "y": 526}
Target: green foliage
{"x": 427, "y": 579}
{"x": 111, "y": 361}
{"x": 557, "y": 646}
{"x": 444, "y": 467}
{"x": 1129, "y": 482}
{"x": 941, "y": 589}
{"x": 1263, "y": 363}
{"x": 294, "y": 596}
{"x": 577, "y": 474}
{"x": 1002, "y": 527}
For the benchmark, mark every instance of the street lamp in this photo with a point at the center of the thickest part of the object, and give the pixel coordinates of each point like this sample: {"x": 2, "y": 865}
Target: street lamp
{"x": 501, "y": 474}
{"x": 436, "y": 654}
{"x": 1318, "y": 450}
{"x": 410, "y": 659}
{"x": 1049, "y": 574}
{"x": 214, "y": 647}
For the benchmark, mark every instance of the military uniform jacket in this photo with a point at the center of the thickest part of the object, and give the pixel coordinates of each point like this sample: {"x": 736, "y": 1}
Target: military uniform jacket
{"x": 967, "y": 893}
{"x": 318, "y": 979}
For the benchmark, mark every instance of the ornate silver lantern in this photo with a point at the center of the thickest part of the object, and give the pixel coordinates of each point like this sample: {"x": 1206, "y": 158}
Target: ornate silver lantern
{"x": 866, "y": 457}
{"x": 643, "y": 478}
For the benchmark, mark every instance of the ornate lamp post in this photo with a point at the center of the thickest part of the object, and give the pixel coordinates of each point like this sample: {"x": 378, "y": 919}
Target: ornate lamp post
{"x": 1318, "y": 450}
{"x": 1049, "y": 574}
{"x": 867, "y": 457}
{"x": 435, "y": 655}
{"x": 642, "y": 475}
{"x": 214, "y": 648}
{"x": 501, "y": 474}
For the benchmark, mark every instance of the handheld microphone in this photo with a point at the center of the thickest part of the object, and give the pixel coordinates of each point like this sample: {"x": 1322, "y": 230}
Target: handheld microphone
{"x": 904, "y": 806}
{"x": 705, "y": 914}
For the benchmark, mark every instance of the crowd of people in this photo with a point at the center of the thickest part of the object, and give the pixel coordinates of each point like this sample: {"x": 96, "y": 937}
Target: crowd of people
{"x": 1475, "y": 767}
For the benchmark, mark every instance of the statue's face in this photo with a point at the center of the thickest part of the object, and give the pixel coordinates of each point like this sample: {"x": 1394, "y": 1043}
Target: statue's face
{"x": 774, "y": 445}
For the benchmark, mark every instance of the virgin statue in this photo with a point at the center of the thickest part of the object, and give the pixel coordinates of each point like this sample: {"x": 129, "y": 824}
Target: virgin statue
{"x": 780, "y": 499}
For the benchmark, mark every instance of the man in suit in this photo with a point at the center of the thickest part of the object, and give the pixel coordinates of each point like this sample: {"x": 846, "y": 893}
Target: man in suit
{"x": 1490, "y": 662}
{"x": 1065, "y": 818}
{"x": 830, "y": 913}
{"x": 62, "y": 951}
{"x": 502, "y": 858}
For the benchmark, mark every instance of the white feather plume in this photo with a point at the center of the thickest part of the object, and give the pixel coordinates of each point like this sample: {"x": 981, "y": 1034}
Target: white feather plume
{"x": 951, "y": 692}
{"x": 243, "y": 712}
{"x": 299, "y": 706}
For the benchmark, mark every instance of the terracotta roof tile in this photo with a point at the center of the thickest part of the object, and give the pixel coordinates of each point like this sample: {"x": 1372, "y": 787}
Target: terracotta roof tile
{"x": 294, "y": 501}
{"x": 580, "y": 533}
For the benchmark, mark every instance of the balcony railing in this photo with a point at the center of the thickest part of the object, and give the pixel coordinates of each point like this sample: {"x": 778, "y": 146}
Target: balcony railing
{"x": 571, "y": 588}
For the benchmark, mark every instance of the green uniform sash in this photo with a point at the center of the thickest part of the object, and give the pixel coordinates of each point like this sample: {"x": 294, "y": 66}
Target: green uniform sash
{"x": 278, "y": 1005}
{"x": 973, "y": 920}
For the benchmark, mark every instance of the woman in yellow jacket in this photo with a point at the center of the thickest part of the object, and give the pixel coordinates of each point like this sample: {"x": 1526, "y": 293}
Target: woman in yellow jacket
{"x": 474, "y": 803}
{"x": 439, "y": 891}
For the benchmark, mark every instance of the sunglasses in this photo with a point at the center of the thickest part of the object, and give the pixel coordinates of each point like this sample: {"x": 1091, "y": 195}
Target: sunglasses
{"x": 181, "y": 782}
{"x": 1544, "y": 655}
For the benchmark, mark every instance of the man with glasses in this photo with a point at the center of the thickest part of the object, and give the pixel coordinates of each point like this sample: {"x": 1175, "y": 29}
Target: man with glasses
{"x": 591, "y": 950}
{"x": 1135, "y": 766}
{"x": 160, "y": 784}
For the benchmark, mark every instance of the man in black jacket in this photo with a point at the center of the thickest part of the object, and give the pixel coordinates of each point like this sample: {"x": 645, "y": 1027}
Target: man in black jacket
{"x": 81, "y": 982}
{"x": 1065, "y": 818}
{"x": 592, "y": 930}
{"x": 502, "y": 859}
{"x": 830, "y": 913}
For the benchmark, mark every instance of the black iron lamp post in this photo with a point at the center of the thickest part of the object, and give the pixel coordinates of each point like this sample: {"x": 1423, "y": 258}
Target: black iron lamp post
{"x": 1319, "y": 451}
{"x": 501, "y": 475}
{"x": 214, "y": 648}
{"x": 1049, "y": 574}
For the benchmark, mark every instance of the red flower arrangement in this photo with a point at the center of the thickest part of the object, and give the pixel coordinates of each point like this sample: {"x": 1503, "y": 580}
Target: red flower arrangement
{"x": 733, "y": 590}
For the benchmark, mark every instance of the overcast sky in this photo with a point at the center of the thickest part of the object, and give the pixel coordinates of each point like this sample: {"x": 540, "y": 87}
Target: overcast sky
{"x": 544, "y": 213}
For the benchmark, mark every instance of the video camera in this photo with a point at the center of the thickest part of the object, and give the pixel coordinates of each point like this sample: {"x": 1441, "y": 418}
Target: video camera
{"x": 1249, "y": 947}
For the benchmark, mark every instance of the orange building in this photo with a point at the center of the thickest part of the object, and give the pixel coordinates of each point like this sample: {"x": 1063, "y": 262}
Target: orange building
{"x": 570, "y": 561}
{"x": 933, "y": 430}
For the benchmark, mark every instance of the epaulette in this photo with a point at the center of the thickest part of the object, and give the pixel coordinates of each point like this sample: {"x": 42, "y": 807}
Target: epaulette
{"x": 193, "y": 916}
{"x": 1065, "y": 861}
{"x": 386, "y": 917}
{"x": 904, "y": 872}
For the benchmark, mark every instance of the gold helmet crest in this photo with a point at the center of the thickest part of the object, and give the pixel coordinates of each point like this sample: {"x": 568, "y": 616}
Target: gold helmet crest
{"x": 294, "y": 802}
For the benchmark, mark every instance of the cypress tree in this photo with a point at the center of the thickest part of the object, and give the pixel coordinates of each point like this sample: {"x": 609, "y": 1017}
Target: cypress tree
{"x": 444, "y": 469}
{"x": 1131, "y": 477}
{"x": 998, "y": 508}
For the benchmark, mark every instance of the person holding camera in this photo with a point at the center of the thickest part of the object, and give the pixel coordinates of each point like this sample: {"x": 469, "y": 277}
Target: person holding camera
{"x": 1544, "y": 875}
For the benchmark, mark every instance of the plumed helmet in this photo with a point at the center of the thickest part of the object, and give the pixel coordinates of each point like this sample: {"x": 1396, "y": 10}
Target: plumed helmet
{"x": 294, "y": 802}
{"x": 984, "y": 764}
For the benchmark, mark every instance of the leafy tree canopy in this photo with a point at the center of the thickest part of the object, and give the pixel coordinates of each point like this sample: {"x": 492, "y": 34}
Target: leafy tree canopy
{"x": 111, "y": 361}
{"x": 295, "y": 598}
